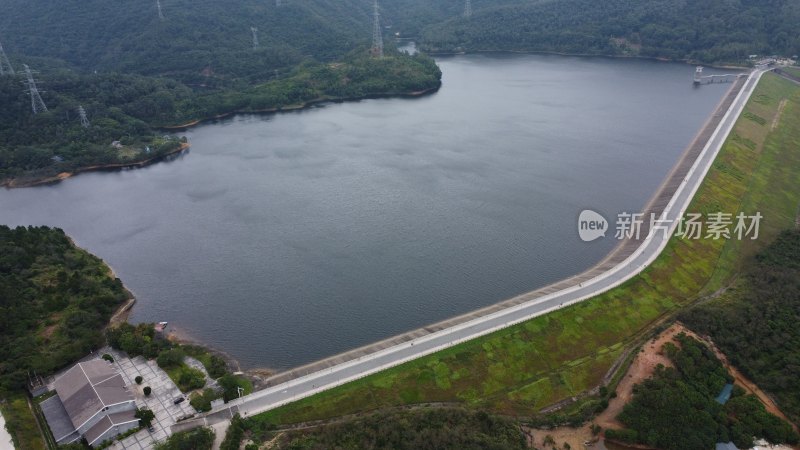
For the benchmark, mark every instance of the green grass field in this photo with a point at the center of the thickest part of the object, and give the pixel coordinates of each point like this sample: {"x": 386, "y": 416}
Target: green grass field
{"x": 524, "y": 368}
{"x": 21, "y": 424}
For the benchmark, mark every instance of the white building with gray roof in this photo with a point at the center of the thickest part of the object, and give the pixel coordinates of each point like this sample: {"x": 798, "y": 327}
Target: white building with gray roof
{"x": 92, "y": 402}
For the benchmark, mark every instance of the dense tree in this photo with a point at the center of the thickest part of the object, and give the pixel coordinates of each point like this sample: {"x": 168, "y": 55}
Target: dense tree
{"x": 756, "y": 323}
{"x": 197, "y": 439}
{"x": 437, "y": 428}
{"x": 707, "y": 31}
{"x": 55, "y": 300}
{"x": 676, "y": 409}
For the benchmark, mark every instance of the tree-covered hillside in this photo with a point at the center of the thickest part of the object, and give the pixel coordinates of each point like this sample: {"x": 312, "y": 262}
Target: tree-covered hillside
{"x": 130, "y": 108}
{"x": 134, "y": 72}
{"x": 199, "y": 41}
{"x": 707, "y": 31}
{"x": 55, "y": 300}
{"x": 756, "y": 324}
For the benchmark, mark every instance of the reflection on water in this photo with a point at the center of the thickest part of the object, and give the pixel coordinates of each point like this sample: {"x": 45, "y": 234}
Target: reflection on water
{"x": 285, "y": 238}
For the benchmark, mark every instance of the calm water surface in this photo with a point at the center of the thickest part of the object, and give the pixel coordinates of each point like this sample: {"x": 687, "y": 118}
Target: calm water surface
{"x": 283, "y": 239}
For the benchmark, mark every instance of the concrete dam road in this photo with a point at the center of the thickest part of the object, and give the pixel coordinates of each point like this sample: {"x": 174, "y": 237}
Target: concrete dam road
{"x": 632, "y": 256}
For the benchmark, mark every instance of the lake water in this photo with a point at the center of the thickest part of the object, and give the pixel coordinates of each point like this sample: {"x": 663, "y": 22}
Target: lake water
{"x": 282, "y": 239}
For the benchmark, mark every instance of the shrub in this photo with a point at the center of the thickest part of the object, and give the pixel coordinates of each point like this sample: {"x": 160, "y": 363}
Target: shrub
{"x": 191, "y": 379}
{"x": 145, "y": 417}
{"x": 147, "y": 391}
{"x": 170, "y": 358}
{"x": 108, "y": 357}
{"x": 138, "y": 379}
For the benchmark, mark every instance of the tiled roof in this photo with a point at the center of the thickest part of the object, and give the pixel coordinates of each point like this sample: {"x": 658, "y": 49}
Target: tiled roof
{"x": 89, "y": 387}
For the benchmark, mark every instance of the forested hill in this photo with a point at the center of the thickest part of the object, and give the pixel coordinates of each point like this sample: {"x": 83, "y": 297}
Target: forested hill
{"x": 196, "y": 40}
{"x": 206, "y": 40}
{"x": 707, "y": 31}
{"x": 133, "y": 71}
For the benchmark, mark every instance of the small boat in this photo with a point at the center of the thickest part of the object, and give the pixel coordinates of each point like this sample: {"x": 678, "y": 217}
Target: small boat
{"x": 161, "y": 326}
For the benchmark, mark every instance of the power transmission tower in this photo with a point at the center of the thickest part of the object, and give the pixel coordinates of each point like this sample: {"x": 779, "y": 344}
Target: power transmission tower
{"x": 160, "y": 13}
{"x": 84, "y": 119}
{"x": 468, "y": 8}
{"x": 37, "y": 104}
{"x": 254, "y": 30}
{"x": 5, "y": 65}
{"x": 377, "y": 34}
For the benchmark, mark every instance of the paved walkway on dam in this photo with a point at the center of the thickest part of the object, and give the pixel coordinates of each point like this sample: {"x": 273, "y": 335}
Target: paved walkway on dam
{"x": 625, "y": 262}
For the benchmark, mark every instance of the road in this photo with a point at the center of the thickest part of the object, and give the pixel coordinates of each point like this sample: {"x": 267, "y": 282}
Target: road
{"x": 650, "y": 248}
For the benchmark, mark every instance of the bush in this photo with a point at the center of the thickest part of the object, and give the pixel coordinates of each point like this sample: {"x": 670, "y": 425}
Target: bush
{"x": 145, "y": 417}
{"x": 627, "y": 436}
{"x": 108, "y": 357}
{"x": 147, "y": 391}
{"x": 202, "y": 401}
{"x": 235, "y": 434}
{"x": 197, "y": 439}
{"x": 170, "y": 358}
{"x": 138, "y": 379}
{"x": 191, "y": 379}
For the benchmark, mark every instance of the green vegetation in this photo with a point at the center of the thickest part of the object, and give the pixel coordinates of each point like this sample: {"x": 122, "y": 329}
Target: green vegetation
{"x": 676, "y": 408}
{"x": 133, "y": 74}
{"x": 197, "y": 439}
{"x": 21, "y": 423}
{"x": 185, "y": 377}
{"x": 755, "y": 324}
{"x": 439, "y": 428}
{"x": 142, "y": 340}
{"x": 55, "y": 300}
{"x": 235, "y": 434}
{"x": 709, "y": 31}
{"x": 231, "y": 384}
{"x": 529, "y": 366}
{"x": 201, "y": 401}
{"x": 137, "y": 340}
{"x": 145, "y": 417}
{"x": 215, "y": 365}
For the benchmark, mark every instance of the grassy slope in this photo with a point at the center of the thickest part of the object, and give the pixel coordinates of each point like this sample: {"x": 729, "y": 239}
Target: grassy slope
{"x": 21, "y": 424}
{"x": 526, "y": 367}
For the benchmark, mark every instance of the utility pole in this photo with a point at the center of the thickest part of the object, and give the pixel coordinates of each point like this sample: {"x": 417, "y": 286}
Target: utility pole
{"x": 160, "y": 13}
{"x": 5, "y": 65}
{"x": 84, "y": 119}
{"x": 37, "y": 104}
{"x": 254, "y": 30}
{"x": 377, "y": 33}
{"x": 468, "y": 8}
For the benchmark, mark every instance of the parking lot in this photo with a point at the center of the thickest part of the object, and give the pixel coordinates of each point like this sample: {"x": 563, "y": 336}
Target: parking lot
{"x": 160, "y": 401}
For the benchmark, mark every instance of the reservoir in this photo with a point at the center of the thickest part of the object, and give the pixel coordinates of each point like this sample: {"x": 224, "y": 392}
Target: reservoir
{"x": 282, "y": 239}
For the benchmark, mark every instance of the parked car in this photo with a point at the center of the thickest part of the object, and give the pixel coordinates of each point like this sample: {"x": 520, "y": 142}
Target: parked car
{"x": 179, "y": 400}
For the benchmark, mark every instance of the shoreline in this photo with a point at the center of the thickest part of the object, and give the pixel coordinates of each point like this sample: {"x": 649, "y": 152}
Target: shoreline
{"x": 299, "y": 107}
{"x": 658, "y": 200}
{"x": 618, "y": 252}
{"x": 591, "y": 55}
{"x": 14, "y": 184}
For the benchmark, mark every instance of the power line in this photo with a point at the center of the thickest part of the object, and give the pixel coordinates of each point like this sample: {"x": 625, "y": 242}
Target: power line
{"x": 5, "y": 65}
{"x": 377, "y": 33}
{"x": 37, "y": 104}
